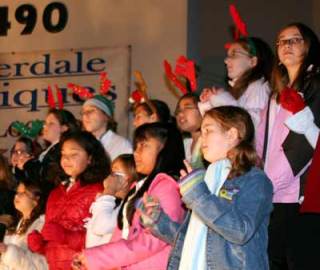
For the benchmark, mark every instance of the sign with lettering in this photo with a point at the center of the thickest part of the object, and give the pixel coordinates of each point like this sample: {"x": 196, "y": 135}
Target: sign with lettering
{"x": 25, "y": 77}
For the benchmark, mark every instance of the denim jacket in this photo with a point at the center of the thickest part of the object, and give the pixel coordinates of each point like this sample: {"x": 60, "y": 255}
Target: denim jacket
{"x": 237, "y": 223}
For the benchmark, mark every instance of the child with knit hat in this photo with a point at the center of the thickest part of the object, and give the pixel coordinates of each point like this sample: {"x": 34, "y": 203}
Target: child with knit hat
{"x": 97, "y": 118}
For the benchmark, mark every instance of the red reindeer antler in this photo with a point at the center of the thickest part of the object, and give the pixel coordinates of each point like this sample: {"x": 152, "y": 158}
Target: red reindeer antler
{"x": 241, "y": 27}
{"x": 60, "y": 97}
{"x": 105, "y": 84}
{"x": 51, "y": 101}
{"x": 186, "y": 68}
{"x": 80, "y": 91}
{"x": 172, "y": 77}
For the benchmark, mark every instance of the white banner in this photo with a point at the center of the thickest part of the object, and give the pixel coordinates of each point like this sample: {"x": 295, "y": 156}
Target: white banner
{"x": 24, "y": 80}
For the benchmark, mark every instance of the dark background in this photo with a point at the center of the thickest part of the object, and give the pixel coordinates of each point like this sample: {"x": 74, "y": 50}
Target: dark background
{"x": 209, "y": 28}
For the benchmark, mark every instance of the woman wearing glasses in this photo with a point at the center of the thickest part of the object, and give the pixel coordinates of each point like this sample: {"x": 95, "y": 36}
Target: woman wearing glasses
{"x": 287, "y": 144}
{"x": 249, "y": 64}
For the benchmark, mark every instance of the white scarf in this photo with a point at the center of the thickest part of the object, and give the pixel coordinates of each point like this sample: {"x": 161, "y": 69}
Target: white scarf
{"x": 126, "y": 225}
{"x": 194, "y": 248}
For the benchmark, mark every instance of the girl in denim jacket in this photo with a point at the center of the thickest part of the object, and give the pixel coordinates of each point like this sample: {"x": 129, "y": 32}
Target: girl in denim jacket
{"x": 229, "y": 203}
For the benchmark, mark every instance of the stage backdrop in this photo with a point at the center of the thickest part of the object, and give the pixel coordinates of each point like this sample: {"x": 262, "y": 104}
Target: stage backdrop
{"x": 24, "y": 80}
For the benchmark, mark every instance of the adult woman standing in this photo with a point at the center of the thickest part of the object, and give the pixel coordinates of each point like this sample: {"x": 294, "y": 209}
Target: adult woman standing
{"x": 287, "y": 154}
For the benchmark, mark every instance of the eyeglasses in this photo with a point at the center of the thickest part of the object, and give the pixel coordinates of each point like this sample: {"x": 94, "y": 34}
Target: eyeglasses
{"x": 19, "y": 152}
{"x": 24, "y": 194}
{"x": 290, "y": 41}
{"x": 184, "y": 109}
{"x": 87, "y": 112}
{"x": 235, "y": 54}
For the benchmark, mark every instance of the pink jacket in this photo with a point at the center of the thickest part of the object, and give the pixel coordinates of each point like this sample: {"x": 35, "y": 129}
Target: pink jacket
{"x": 142, "y": 250}
{"x": 285, "y": 185}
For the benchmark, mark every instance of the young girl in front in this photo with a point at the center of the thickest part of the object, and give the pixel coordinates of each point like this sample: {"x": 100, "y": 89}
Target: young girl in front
{"x": 106, "y": 207}
{"x": 29, "y": 201}
{"x": 84, "y": 160}
{"x": 249, "y": 65}
{"x": 159, "y": 157}
{"x": 229, "y": 203}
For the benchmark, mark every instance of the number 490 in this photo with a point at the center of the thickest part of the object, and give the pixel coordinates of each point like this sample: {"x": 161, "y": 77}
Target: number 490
{"x": 27, "y": 14}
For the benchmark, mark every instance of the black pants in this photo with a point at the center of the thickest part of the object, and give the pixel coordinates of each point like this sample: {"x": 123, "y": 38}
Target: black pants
{"x": 281, "y": 235}
{"x": 294, "y": 239}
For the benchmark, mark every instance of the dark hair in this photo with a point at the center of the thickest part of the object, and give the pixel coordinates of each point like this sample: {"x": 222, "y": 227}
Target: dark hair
{"x": 280, "y": 78}
{"x": 158, "y": 107}
{"x": 6, "y": 180}
{"x": 33, "y": 148}
{"x": 39, "y": 209}
{"x": 256, "y": 47}
{"x": 99, "y": 167}
{"x": 66, "y": 118}
{"x": 194, "y": 97}
{"x": 169, "y": 160}
{"x": 243, "y": 156}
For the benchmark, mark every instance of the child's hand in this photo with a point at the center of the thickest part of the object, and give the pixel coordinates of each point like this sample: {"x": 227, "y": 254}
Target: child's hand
{"x": 79, "y": 262}
{"x": 115, "y": 183}
{"x": 149, "y": 209}
{"x": 3, "y": 248}
{"x": 188, "y": 170}
{"x": 22, "y": 159}
{"x": 207, "y": 93}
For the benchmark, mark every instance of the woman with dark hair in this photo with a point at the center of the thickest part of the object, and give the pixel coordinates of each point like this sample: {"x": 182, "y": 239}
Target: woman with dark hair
{"x": 249, "y": 64}
{"x": 84, "y": 160}
{"x": 159, "y": 157}
{"x": 286, "y": 143}
{"x": 150, "y": 112}
{"x": 30, "y": 204}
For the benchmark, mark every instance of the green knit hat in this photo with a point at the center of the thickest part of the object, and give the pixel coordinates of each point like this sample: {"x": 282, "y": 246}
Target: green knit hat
{"x": 102, "y": 103}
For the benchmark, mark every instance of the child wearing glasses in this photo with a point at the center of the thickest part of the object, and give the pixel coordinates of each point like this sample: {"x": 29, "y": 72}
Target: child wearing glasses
{"x": 106, "y": 207}
{"x": 285, "y": 140}
{"x": 249, "y": 64}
